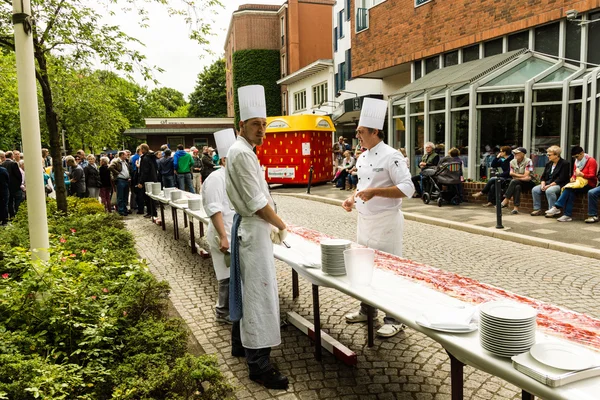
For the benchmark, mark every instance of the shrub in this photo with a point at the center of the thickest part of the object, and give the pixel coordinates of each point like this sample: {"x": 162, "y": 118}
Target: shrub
{"x": 91, "y": 322}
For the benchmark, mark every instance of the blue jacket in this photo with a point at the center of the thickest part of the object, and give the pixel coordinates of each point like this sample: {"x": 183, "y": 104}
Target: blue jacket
{"x": 134, "y": 158}
{"x": 178, "y": 154}
{"x": 503, "y": 163}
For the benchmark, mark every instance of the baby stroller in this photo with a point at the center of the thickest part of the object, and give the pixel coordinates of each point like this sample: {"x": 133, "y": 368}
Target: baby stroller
{"x": 441, "y": 183}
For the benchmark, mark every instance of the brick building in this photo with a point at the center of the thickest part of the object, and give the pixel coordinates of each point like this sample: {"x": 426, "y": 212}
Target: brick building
{"x": 481, "y": 74}
{"x": 252, "y": 26}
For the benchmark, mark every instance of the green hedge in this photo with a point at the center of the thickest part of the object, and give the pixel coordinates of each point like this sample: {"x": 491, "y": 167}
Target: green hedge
{"x": 258, "y": 67}
{"x": 91, "y": 323}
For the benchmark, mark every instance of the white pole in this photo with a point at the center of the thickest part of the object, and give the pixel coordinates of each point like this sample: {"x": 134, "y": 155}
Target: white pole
{"x": 30, "y": 132}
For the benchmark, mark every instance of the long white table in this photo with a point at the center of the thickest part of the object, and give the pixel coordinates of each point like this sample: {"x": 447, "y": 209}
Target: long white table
{"x": 406, "y": 300}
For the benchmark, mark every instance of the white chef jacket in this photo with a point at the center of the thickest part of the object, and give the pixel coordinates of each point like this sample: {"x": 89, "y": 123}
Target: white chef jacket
{"x": 247, "y": 188}
{"x": 214, "y": 200}
{"x": 248, "y": 192}
{"x": 382, "y": 166}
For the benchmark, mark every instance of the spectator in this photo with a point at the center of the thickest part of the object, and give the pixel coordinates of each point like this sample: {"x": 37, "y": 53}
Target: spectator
{"x": 4, "y": 195}
{"x": 77, "y": 178}
{"x": 502, "y": 160}
{"x": 196, "y": 169}
{"x": 345, "y": 167}
{"x": 428, "y": 160}
{"x": 106, "y": 186}
{"x": 22, "y": 169}
{"x": 182, "y": 164}
{"x": 582, "y": 181}
{"x": 521, "y": 168}
{"x": 208, "y": 167}
{"x": 17, "y": 156}
{"x": 555, "y": 176}
{"x": 147, "y": 173}
{"x": 120, "y": 171}
{"x": 82, "y": 159}
{"x": 338, "y": 151}
{"x": 353, "y": 174}
{"x": 14, "y": 186}
{"x": 165, "y": 169}
{"x": 134, "y": 201}
{"x": 92, "y": 177}
{"x": 593, "y": 196}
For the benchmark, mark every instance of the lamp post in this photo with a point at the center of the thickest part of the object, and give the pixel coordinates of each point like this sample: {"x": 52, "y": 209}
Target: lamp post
{"x": 30, "y": 130}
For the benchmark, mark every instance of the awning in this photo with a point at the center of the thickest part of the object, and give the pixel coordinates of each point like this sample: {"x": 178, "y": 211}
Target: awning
{"x": 349, "y": 109}
{"x": 311, "y": 69}
{"x": 462, "y": 73}
{"x": 144, "y": 132}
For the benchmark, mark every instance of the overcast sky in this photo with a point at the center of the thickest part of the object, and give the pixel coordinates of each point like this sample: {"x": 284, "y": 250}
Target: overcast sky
{"x": 168, "y": 45}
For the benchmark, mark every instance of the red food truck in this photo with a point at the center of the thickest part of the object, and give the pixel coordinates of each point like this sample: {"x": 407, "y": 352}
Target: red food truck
{"x": 295, "y": 143}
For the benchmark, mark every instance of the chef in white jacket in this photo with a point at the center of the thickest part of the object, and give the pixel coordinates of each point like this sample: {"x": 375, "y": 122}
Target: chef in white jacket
{"x": 253, "y": 298}
{"x": 217, "y": 208}
{"x": 383, "y": 180}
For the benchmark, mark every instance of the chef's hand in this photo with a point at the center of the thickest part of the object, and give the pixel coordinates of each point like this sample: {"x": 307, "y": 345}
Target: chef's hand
{"x": 278, "y": 235}
{"x": 139, "y": 185}
{"x": 223, "y": 244}
{"x": 348, "y": 203}
{"x": 366, "y": 194}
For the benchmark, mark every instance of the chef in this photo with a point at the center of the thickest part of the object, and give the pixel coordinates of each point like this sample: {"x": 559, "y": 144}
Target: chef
{"x": 253, "y": 294}
{"x": 216, "y": 206}
{"x": 383, "y": 180}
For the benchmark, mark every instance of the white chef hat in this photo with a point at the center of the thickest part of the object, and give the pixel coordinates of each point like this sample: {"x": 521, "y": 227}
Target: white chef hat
{"x": 252, "y": 102}
{"x": 224, "y": 139}
{"x": 373, "y": 112}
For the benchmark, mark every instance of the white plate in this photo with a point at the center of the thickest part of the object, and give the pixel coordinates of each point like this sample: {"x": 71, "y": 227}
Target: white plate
{"x": 564, "y": 356}
{"x": 335, "y": 242}
{"x": 424, "y": 323}
{"x": 508, "y": 310}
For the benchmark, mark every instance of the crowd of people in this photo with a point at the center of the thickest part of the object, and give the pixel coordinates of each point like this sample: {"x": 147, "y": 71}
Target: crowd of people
{"x": 558, "y": 183}
{"x": 116, "y": 181}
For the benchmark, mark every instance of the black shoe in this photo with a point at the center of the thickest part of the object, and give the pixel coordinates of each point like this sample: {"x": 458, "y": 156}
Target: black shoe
{"x": 129, "y": 212}
{"x": 272, "y": 379}
{"x": 238, "y": 352}
{"x": 147, "y": 216}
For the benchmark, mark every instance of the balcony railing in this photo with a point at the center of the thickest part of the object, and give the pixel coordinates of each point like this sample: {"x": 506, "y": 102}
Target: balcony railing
{"x": 362, "y": 19}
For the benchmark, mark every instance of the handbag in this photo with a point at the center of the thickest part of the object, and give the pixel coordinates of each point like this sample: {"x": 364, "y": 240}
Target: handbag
{"x": 113, "y": 199}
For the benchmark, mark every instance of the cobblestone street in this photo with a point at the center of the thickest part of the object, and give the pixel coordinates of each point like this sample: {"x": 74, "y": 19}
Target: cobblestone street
{"x": 408, "y": 366}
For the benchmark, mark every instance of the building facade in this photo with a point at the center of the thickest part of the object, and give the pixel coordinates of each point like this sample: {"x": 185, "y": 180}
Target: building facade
{"x": 478, "y": 75}
{"x": 252, "y": 26}
{"x": 174, "y": 131}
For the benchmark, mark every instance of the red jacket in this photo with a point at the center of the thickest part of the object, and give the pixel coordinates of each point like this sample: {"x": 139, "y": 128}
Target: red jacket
{"x": 589, "y": 172}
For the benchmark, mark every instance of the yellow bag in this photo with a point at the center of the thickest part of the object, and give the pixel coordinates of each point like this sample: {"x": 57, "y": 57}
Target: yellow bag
{"x": 578, "y": 183}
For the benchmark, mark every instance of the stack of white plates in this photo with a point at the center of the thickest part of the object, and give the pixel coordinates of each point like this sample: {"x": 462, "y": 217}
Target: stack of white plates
{"x": 156, "y": 188}
{"x": 332, "y": 256}
{"x": 175, "y": 195}
{"x": 194, "y": 204}
{"x": 167, "y": 192}
{"x": 507, "y": 328}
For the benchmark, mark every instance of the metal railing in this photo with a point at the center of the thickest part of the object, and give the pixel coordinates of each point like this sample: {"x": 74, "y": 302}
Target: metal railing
{"x": 362, "y": 19}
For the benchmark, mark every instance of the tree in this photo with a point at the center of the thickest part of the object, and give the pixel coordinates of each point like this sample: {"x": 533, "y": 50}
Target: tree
{"x": 73, "y": 31}
{"x": 209, "y": 98}
{"x": 166, "y": 100}
{"x": 10, "y": 129}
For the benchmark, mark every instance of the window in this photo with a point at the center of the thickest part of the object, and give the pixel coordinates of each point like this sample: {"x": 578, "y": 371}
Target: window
{"x": 341, "y": 23}
{"x": 300, "y": 101}
{"x": 173, "y": 141}
{"x": 198, "y": 142}
{"x": 336, "y": 85}
{"x": 283, "y": 66}
{"x": 594, "y": 39}
{"x": 418, "y": 70}
{"x": 348, "y": 10}
{"x": 282, "y": 31}
{"x": 284, "y": 98}
{"x": 546, "y": 39}
{"x": 573, "y": 42}
{"x": 342, "y": 75}
{"x": 335, "y": 39}
{"x": 348, "y": 65}
{"x": 319, "y": 93}
{"x": 471, "y": 53}
{"x": 451, "y": 58}
{"x": 492, "y": 47}
{"x": 362, "y": 16}
{"x": 431, "y": 64}
{"x": 518, "y": 41}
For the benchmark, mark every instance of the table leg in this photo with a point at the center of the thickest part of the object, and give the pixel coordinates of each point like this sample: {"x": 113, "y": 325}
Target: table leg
{"x": 185, "y": 221}
{"x": 152, "y": 207}
{"x": 456, "y": 377}
{"x": 162, "y": 216}
{"x": 175, "y": 227}
{"x": 295, "y": 286}
{"x": 317, "y": 322}
{"x": 192, "y": 238}
{"x": 201, "y": 229}
{"x": 527, "y": 396}
{"x": 370, "y": 325}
